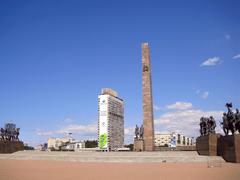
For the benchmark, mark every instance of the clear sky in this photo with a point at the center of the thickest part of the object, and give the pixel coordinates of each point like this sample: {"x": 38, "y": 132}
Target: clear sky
{"x": 56, "y": 56}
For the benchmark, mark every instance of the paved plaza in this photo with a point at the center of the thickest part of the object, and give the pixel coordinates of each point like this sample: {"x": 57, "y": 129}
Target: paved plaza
{"x": 37, "y": 165}
{"x": 62, "y": 170}
{"x": 164, "y": 156}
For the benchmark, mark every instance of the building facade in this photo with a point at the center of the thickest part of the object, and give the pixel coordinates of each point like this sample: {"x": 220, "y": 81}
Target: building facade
{"x": 172, "y": 140}
{"x": 65, "y": 144}
{"x": 162, "y": 139}
{"x": 56, "y": 143}
{"x": 73, "y": 146}
{"x": 110, "y": 120}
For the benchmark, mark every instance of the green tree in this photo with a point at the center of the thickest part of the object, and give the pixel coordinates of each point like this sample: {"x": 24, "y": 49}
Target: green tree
{"x": 91, "y": 143}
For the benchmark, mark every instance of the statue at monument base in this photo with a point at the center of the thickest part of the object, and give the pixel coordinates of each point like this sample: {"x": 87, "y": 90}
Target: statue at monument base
{"x": 207, "y": 144}
{"x": 9, "y": 142}
{"x": 138, "y": 145}
{"x": 228, "y": 146}
{"x": 138, "y": 139}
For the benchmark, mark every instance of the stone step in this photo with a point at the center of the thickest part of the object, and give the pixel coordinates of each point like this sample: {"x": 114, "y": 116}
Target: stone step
{"x": 113, "y": 156}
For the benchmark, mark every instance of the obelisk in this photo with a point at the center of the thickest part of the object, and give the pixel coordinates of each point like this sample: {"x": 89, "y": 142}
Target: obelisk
{"x": 148, "y": 124}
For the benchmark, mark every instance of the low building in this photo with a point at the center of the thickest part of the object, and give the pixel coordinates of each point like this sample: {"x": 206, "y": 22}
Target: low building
{"x": 162, "y": 139}
{"x": 40, "y": 147}
{"x": 73, "y": 146}
{"x": 56, "y": 143}
{"x": 65, "y": 144}
{"x": 172, "y": 140}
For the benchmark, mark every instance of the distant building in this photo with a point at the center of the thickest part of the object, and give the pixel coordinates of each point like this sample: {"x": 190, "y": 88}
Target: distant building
{"x": 110, "y": 120}
{"x": 172, "y": 140}
{"x": 40, "y": 147}
{"x": 73, "y": 146}
{"x": 65, "y": 144}
{"x": 162, "y": 139}
{"x": 56, "y": 143}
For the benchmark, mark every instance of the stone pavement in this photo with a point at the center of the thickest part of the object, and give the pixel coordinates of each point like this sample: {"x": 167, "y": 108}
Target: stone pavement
{"x": 62, "y": 170}
{"x": 149, "y": 157}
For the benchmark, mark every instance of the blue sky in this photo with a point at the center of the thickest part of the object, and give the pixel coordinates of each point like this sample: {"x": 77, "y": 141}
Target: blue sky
{"x": 56, "y": 56}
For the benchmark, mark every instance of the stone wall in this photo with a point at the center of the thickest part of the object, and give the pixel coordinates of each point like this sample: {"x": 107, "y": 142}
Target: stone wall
{"x": 207, "y": 145}
{"x": 229, "y": 148}
{"x": 11, "y": 146}
{"x": 217, "y": 145}
{"x": 138, "y": 145}
{"x": 178, "y": 148}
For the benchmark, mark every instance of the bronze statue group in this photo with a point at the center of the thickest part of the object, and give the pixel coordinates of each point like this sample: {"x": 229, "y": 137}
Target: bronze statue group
{"x": 207, "y": 125}
{"x": 139, "y": 132}
{"x": 231, "y": 122}
{"x": 9, "y": 132}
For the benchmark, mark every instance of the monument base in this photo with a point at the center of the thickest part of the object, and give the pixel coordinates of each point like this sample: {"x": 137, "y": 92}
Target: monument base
{"x": 138, "y": 145}
{"x": 229, "y": 148}
{"x": 207, "y": 145}
{"x": 11, "y": 146}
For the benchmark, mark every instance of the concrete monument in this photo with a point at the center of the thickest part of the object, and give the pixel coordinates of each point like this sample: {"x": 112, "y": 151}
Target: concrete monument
{"x": 148, "y": 125}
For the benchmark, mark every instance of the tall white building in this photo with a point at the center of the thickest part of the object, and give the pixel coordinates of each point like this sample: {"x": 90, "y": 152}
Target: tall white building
{"x": 110, "y": 120}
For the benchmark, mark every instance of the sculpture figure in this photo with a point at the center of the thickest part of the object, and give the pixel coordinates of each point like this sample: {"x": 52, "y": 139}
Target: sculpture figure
{"x": 225, "y": 124}
{"x": 207, "y": 125}
{"x": 229, "y": 120}
{"x": 136, "y": 132}
{"x": 2, "y": 133}
{"x": 211, "y": 125}
{"x": 141, "y": 133}
{"x": 203, "y": 126}
{"x": 230, "y": 114}
{"x": 237, "y": 120}
{"x": 9, "y": 133}
{"x": 17, "y": 134}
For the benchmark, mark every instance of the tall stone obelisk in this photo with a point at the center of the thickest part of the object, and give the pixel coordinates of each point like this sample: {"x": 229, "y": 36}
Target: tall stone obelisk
{"x": 147, "y": 99}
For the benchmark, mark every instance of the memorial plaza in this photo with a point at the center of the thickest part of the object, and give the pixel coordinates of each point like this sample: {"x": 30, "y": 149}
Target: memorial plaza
{"x": 37, "y": 165}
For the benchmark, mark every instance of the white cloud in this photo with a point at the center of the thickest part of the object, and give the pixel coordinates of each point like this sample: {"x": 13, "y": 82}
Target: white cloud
{"x": 129, "y": 131}
{"x": 79, "y": 129}
{"x": 236, "y": 57}
{"x": 157, "y": 108}
{"x": 162, "y": 132}
{"x": 185, "y": 121}
{"x": 68, "y": 120}
{"x": 203, "y": 94}
{"x": 39, "y": 132}
{"x": 84, "y": 130}
{"x": 211, "y": 61}
{"x": 227, "y": 36}
{"x": 180, "y": 105}
{"x": 32, "y": 143}
{"x": 198, "y": 91}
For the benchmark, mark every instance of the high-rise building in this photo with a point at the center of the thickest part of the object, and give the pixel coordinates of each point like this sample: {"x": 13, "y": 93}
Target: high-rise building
{"x": 110, "y": 120}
